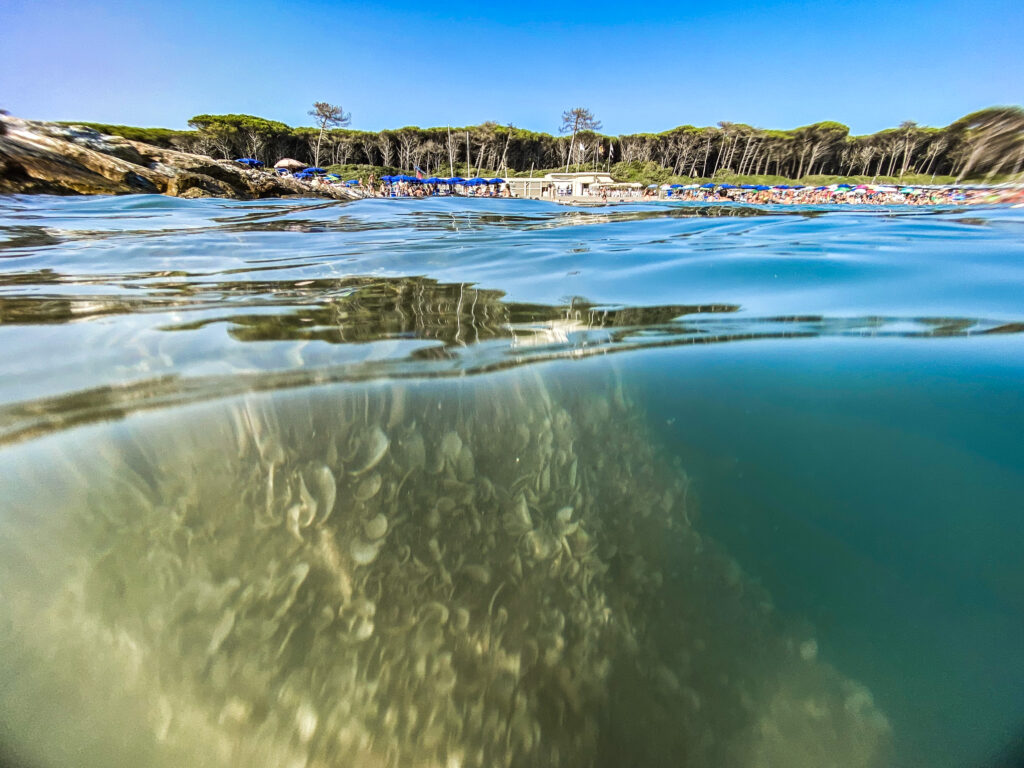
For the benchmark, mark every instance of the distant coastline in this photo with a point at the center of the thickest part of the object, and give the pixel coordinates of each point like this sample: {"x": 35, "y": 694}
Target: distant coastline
{"x": 985, "y": 146}
{"x": 60, "y": 158}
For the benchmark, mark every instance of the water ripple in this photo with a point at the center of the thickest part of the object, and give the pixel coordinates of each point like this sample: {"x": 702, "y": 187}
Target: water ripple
{"x": 151, "y": 300}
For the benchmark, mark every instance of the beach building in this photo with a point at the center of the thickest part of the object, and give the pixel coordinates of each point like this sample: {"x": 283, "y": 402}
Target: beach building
{"x": 555, "y": 185}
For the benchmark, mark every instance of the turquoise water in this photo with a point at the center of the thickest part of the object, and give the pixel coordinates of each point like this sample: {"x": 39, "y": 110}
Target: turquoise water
{"x": 497, "y": 482}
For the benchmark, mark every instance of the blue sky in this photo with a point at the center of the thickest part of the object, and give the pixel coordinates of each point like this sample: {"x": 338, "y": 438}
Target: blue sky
{"x": 640, "y": 66}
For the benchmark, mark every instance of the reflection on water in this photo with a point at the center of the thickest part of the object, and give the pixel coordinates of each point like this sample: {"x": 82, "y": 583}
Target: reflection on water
{"x": 435, "y": 329}
{"x": 367, "y": 576}
{"x": 298, "y": 483}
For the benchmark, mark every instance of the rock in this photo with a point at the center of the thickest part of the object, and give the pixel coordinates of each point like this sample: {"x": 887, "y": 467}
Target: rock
{"x": 48, "y": 158}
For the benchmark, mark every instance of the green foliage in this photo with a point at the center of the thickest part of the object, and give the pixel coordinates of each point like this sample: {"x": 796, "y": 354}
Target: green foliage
{"x": 647, "y": 172}
{"x": 985, "y": 145}
{"x": 158, "y": 137}
{"x": 361, "y": 171}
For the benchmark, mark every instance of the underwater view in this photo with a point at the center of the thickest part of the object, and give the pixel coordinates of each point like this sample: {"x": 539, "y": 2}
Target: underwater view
{"x": 481, "y": 482}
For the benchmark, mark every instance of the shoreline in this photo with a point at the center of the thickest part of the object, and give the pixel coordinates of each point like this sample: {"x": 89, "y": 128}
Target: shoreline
{"x": 51, "y": 158}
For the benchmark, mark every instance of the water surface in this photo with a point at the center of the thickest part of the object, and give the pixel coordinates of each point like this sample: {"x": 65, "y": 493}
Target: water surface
{"x": 489, "y": 482}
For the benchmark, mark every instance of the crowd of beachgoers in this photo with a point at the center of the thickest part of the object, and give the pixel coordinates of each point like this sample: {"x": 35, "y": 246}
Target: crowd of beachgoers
{"x": 856, "y": 194}
{"x": 758, "y": 194}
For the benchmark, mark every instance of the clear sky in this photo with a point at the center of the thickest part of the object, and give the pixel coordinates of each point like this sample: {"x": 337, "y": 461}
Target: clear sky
{"x": 639, "y": 66}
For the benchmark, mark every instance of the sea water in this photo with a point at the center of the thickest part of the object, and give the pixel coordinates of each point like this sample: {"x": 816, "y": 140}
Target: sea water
{"x": 499, "y": 482}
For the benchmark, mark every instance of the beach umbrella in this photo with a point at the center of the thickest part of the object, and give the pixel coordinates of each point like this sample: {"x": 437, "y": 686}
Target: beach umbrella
{"x": 799, "y": 186}
{"x": 820, "y": 189}
{"x": 675, "y": 186}
{"x": 433, "y": 180}
{"x": 762, "y": 187}
{"x": 455, "y": 180}
{"x": 291, "y": 165}
{"x": 352, "y": 183}
{"x": 691, "y": 186}
{"x": 495, "y": 181}
{"x": 252, "y": 162}
{"x": 707, "y": 186}
{"x": 782, "y": 186}
{"x": 747, "y": 186}
{"x": 315, "y": 170}
{"x": 727, "y": 186}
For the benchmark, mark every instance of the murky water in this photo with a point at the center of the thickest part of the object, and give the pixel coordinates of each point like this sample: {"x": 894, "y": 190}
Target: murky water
{"x": 477, "y": 483}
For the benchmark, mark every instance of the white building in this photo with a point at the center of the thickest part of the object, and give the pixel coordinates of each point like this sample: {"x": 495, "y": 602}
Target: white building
{"x": 554, "y": 185}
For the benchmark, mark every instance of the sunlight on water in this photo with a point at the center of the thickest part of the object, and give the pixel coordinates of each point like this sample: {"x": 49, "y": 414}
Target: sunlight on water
{"x": 480, "y": 483}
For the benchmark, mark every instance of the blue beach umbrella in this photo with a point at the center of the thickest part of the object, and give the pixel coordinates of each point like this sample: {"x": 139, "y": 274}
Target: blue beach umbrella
{"x": 315, "y": 170}
{"x": 707, "y": 186}
{"x": 433, "y": 180}
{"x": 352, "y": 183}
{"x": 799, "y": 186}
{"x": 675, "y": 186}
{"x": 728, "y": 186}
{"x": 455, "y": 180}
{"x": 495, "y": 181}
{"x": 252, "y": 162}
{"x": 747, "y": 186}
{"x": 762, "y": 187}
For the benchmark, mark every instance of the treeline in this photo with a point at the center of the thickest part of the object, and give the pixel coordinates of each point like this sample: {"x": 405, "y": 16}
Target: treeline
{"x": 985, "y": 144}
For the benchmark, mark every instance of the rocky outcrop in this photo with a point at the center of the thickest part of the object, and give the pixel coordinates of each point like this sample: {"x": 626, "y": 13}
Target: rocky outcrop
{"x": 47, "y": 158}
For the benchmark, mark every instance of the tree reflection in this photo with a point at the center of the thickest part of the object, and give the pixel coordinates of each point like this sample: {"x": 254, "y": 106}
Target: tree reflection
{"x": 356, "y": 310}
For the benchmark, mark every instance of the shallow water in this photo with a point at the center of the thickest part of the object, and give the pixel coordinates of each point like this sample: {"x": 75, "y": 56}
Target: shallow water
{"x": 452, "y": 482}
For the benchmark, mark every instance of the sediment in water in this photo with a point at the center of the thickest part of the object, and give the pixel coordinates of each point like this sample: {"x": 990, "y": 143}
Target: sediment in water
{"x": 485, "y": 574}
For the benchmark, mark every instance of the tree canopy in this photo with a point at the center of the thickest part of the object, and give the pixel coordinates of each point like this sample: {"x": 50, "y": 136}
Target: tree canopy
{"x": 988, "y": 144}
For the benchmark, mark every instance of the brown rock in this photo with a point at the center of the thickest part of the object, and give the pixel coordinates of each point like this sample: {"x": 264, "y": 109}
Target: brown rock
{"x": 47, "y": 158}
